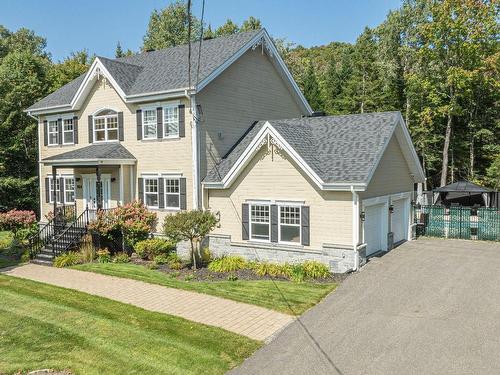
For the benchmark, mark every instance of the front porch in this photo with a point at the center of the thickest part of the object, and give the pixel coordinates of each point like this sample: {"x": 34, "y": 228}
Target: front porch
{"x": 73, "y": 179}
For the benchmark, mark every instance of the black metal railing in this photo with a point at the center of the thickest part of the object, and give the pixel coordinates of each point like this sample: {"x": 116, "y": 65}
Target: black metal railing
{"x": 71, "y": 236}
{"x": 42, "y": 238}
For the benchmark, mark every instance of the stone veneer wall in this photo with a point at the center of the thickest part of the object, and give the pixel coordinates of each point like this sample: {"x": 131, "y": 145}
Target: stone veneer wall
{"x": 339, "y": 259}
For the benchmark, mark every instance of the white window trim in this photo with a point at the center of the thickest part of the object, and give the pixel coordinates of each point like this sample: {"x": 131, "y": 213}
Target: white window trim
{"x": 157, "y": 193}
{"x": 144, "y": 109}
{"x": 63, "y": 117}
{"x": 290, "y": 225}
{"x": 250, "y": 221}
{"x": 165, "y": 106}
{"x": 165, "y": 193}
{"x": 58, "y": 177}
{"x": 67, "y": 131}
{"x": 105, "y": 117}
{"x": 49, "y": 132}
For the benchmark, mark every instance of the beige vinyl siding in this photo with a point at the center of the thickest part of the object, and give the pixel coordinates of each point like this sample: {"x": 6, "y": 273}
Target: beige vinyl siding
{"x": 392, "y": 174}
{"x": 251, "y": 89}
{"x": 153, "y": 156}
{"x": 276, "y": 177}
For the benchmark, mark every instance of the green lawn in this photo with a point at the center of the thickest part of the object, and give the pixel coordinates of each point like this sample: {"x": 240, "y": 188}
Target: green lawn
{"x": 284, "y": 296}
{"x": 43, "y": 326}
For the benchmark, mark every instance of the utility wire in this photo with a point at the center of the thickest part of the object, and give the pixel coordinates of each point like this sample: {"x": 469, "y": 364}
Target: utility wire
{"x": 189, "y": 42}
{"x": 201, "y": 39}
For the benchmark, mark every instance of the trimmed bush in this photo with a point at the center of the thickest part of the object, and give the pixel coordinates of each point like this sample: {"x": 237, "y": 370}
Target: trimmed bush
{"x": 161, "y": 259}
{"x": 103, "y": 256}
{"x": 152, "y": 247}
{"x": 121, "y": 258}
{"x": 68, "y": 259}
{"x": 227, "y": 264}
{"x": 21, "y": 223}
{"x": 315, "y": 270}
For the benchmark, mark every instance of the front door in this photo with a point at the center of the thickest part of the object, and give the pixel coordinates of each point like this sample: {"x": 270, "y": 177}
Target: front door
{"x": 90, "y": 191}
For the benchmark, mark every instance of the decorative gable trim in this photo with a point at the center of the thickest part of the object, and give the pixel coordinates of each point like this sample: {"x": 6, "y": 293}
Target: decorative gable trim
{"x": 270, "y": 137}
{"x": 261, "y": 39}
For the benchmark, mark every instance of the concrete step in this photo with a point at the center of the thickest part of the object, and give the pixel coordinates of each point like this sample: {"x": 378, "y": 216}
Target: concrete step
{"x": 42, "y": 262}
{"x": 44, "y": 256}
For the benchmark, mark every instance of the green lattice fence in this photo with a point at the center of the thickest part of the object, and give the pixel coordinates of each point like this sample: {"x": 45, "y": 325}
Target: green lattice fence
{"x": 458, "y": 222}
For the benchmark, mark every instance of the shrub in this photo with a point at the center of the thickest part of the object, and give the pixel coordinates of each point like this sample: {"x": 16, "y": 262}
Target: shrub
{"x": 227, "y": 264}
{"x": 133, "y": 220}
{"x": 87, "y": 249}
{"x": 148, "y": 249}
{"x": 189, "y": 277}
{"x": 67, "y": 259}
{"x": 232, "y": 277}
{"x": 121, "y": 258}
{"x": 25, "y": 257}
{"x": 103, "y": 256}
{"x": 297, "y": 273}
{"x": 21, "y": 223}
{"x": 161, "y": 259}
{"x": 272, "y": 269}
{"x": 315, "y": 270}
{"x": 152, "y": 266}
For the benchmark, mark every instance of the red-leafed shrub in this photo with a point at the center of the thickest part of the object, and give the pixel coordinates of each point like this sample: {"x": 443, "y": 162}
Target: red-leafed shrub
{"x": 21, "y": 223}
{"x": 133, "y": 221}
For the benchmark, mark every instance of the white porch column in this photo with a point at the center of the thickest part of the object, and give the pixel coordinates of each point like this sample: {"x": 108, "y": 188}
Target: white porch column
{"x": 121, "y": 184}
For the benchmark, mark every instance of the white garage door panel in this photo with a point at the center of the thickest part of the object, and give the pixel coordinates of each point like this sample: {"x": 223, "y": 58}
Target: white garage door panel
{"x": 373, "y": 228}
{"x": 399, "y": 220}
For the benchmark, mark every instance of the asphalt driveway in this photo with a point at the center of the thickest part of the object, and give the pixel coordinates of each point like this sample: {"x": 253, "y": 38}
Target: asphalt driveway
{"x": 427, "y": 307}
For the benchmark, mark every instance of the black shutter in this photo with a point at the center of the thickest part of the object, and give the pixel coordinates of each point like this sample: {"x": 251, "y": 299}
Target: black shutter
{"x": 161, "y": 192}
{"x": 182, "y": 189}
{"x": 138, "y": 116}
{"x": 274, "y": 223}
{"x": 159, "y": 122}
{"x": 182, "y": 121}
{"x": 59, "y": 131}
{"x": 305, "y": 220}
{"x": 45, "y": 133}
{"x": 47, "y": 190}
{"x": 140, "y": 189}
{"x": 75, "y": 130}
{"x": 245, "y": 226}
{"x": 91, "y": 130}
{"x": 61, "y": 190}
{"x": 121, "y": 136}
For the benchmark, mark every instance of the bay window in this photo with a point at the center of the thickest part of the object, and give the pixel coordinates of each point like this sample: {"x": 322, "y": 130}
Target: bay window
{"x": 259, "y": 222}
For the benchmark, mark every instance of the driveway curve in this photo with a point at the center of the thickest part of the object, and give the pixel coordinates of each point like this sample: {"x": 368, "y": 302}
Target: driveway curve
{"x": 428, "y": 307}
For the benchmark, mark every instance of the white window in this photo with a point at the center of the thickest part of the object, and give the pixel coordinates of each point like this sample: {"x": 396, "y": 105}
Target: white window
{"x": 69, "y": 190}
{"x": 170, "y": 121}
{"x": 149, "y": 123}
{"x": 151, "y": 192}
{"x": 172, "y": 193}
{"x": 259, "y": 222}
{"x": 289, "y": 230}
{"x": 53, "y": 132}
{"x": 68, "y": 131}
{"x": 106, "y": 126}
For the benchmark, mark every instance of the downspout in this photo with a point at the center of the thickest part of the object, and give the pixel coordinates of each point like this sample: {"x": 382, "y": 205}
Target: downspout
{"x": 355, "y": 227}
{"x": 40, "y": 194}
{"x": 196, "y": 150}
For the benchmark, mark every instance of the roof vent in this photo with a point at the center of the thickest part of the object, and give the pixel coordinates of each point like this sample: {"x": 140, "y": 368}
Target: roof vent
{"x": 318, "y": 114}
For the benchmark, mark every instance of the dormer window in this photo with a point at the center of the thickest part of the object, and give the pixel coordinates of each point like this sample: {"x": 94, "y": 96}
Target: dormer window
{"x": 106, "y": 126}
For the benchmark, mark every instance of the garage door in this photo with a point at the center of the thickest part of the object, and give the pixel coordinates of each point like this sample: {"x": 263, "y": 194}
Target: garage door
{"x": 399, "y": 220}
{"x": 374, "y": 217}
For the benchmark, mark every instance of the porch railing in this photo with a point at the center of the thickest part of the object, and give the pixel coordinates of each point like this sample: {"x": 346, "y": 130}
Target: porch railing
{"x": 42, "y": 238}
{"x": 71, "y": 235}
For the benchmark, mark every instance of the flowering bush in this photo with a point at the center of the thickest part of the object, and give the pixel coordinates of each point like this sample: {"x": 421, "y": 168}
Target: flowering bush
{"x": 133, "y": 220}
{"x": 21, "y": 223}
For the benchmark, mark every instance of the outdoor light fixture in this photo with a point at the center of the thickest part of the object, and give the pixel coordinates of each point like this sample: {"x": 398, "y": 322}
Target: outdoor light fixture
{"x": 391, "y": 209}
{"x": 113, "y": 179}
{"x": 362, "y": 215}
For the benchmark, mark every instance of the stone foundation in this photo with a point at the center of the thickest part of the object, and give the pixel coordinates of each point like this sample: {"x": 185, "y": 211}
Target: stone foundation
{"x": 338, "y": 258}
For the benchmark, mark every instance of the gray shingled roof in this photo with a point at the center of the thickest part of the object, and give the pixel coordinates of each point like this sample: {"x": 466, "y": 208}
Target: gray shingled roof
{"x": 160, "y": 70}
{"x": 98, "y": 151}
{"x": 341, "y": 149}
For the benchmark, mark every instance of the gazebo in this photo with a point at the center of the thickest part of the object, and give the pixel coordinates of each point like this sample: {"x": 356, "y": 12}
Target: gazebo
{"x": 465, "y": 193}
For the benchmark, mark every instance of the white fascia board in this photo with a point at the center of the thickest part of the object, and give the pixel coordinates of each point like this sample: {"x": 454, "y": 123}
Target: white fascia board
{"x": 338, "y": 186}
{"x": 49, "y": 110}
{"x": 79, "y": 162}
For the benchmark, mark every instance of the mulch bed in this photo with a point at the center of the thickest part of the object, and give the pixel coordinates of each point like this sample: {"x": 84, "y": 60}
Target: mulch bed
{"x": 204, "y": 274}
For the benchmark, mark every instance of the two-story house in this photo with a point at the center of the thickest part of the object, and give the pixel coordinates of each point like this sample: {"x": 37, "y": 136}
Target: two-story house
{"x": 207, "y": 135}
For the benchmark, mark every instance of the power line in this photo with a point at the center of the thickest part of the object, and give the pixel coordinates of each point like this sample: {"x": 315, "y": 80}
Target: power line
{"x": 189, "y": 41}
{"x": 201, "y": 39}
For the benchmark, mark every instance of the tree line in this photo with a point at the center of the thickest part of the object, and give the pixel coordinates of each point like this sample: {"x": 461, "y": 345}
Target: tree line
{"x": 436, "y": 61}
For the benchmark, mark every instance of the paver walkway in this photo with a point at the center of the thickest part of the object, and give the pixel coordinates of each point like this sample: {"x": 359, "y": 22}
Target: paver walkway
{"x": 248, "y": 320}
